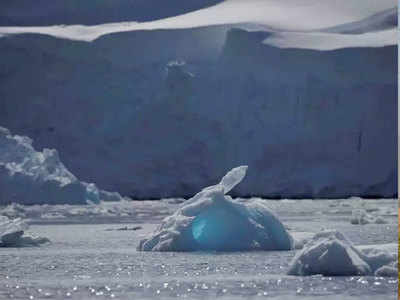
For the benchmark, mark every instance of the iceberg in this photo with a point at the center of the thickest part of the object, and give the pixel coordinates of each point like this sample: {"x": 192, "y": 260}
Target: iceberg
{"x": 28, "y": 176}
{"x": 213, "y": 221}
{"x": 12, "y": 234}
{"x": 330, "y": 253}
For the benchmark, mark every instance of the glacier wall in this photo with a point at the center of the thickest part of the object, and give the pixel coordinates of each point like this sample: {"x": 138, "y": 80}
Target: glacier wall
{"x": 150, "y": 123}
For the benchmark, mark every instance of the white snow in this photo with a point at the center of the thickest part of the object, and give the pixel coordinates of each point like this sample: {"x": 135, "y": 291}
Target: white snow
{"x": 330, "y": 253}
{"x": 12, "y": 234}
{"x": 304, "y": 15}
{"x": 214, "y": 221}
{"x": 380, "y": 21}
{"x": 331, "y": 41}
{"x": 31, "y": 177}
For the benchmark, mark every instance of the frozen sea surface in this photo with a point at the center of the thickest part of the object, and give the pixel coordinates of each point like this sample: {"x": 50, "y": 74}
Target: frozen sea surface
{"x": 87, "y": 260}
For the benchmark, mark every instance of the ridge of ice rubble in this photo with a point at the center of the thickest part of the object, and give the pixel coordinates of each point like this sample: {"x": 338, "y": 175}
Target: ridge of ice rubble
{"x": 12, "y": 234}
{"x": 213, "y": 221}
{"x": 330, "y": 253}
{"x": 31, "y": 177}
{"x": 361, "y": 217}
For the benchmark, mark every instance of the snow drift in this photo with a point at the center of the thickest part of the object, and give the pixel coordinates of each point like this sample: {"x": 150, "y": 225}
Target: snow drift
{"x": 12, "y": 234}
{"x": 31, "y": 177}
{"x": 330, "y": 253}
{"x": 213, "y": 221}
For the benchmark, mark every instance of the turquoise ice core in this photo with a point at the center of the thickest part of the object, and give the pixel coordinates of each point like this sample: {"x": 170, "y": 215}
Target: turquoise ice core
{"x": 216, "y": 228}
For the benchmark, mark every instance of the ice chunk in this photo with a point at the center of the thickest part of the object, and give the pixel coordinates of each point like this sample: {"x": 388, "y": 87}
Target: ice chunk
{"x": 361, "y": 217}
{"x": 388, "y": 271}
{"x": 12, "y": 234}
{"x": 281, "y": 16}
{"x": 212, "y": 221}
{"x": 31, "y": 177}
{"x": 232, "y": 178}
{"x": 330, "y": 253}
{"x": 380, "y": 258}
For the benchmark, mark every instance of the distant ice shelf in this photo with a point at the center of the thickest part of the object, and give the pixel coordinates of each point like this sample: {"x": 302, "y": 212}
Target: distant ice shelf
{"x": 213, "y": 221}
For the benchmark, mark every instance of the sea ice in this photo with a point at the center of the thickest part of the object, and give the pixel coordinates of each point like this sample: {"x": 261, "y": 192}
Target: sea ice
{"x": 31, "y": 177}
{"x": 330, "y": 253}
{"x": 361, "y": 217}
{"x": 213, "y": 221}
{"x": 12, "y": 234}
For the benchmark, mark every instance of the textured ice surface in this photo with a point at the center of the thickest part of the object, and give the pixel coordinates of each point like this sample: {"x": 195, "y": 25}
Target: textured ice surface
{"x": 12, "y": 234}
{"x": 361, "y": 217}
{"x": 31, "y": 177}
{"x": 86, "y": 261}
{"x": 213, "y": 221}
{"x": 330, "y": 253}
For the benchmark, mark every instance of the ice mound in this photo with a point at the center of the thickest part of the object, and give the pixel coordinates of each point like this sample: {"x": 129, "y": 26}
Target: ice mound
{"x": 31, "y": 177}
{"x": 12, "y": 234}
{"x": 388, "y": 271}
{"x": 213, "y": 221}
{"x": 330, "y": 253}
{"x": 361, "y": 217}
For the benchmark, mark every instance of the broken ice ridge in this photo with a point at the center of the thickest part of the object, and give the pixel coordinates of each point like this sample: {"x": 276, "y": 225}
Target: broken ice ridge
{"x": 361, "y": 217}
{"x": 28, "y": 176}
{"x": 213, "y": 221}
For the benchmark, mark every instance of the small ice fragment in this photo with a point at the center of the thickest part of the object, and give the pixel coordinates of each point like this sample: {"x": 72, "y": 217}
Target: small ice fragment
{"x": 12, "y": 234}
{"x": 330, "y": 253}
{"x": 232, "y": 178}
{"x": 387, "y": 271}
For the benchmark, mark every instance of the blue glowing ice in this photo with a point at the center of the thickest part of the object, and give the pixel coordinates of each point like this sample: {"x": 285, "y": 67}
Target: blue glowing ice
{"x": 213, "y": 221}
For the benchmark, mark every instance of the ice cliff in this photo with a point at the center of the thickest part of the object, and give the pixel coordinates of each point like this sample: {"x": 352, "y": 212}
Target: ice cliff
{"x": 213, "y": 221}
{"x": 308, "y": 123}
{"x": 31, "y": 177}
